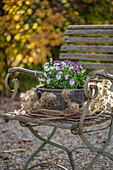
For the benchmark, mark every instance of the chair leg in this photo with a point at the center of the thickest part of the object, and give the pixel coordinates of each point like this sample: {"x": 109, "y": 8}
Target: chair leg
{"x": 69, "y": 153}
{"x": 99, "y": 151}
{"x": 48, "y": 141}
{"x": 39, "y": 148}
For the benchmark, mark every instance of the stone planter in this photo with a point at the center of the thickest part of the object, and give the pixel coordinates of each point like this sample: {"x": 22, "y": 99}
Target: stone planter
{"x": 76, "y": 96}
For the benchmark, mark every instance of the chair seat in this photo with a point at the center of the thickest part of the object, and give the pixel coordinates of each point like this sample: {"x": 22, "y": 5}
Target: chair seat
{"x": 91, "y": 120}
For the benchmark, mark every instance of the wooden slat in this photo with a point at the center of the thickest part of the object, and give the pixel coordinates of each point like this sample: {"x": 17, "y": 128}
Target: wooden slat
{"x": 89, "y": 34}
{"x": 86, "y": 48}
{"x": 108, "y": 66}
{"x": 106, "y": 57}
{"x": 90, "y": 27}
{"x": 88, "y": 39}
{"x": 86, "y": 32}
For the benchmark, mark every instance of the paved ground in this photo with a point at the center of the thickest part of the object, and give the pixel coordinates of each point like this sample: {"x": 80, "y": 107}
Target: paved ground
{"x": 13, "y": 136}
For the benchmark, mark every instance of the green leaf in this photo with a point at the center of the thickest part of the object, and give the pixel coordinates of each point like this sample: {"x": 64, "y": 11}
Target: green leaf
{"x": 101, "y": 100}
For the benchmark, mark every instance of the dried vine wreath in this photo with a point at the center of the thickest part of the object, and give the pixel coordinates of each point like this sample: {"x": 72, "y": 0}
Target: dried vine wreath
{"x": 41, "y": 106}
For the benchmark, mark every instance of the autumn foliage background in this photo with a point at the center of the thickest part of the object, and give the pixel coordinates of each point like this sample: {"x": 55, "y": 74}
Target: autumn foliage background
{"x": 31, "y": 31}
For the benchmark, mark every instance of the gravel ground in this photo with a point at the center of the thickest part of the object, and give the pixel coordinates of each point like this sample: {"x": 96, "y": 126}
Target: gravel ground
{"x": 13, "y": 136}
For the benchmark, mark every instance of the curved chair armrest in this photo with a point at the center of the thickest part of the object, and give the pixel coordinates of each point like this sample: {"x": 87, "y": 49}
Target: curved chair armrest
{"x": 92, "y": 75}
{"x": 88, "y": 93}
{"x": 20, "y": 70}
{"x": 16, "y": 83}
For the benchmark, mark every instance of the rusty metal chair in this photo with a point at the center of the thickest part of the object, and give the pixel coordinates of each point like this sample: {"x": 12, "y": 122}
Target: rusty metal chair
{"x": 87, "y": 43}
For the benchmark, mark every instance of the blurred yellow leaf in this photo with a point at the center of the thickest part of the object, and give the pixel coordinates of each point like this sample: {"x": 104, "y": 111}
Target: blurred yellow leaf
{"x": 31, "y": 60}
{"x": 76, "y": 13}
{"x": 19, "y": 3}
{"x": 3, "y": 74}
{"x": 23, "y": 41}
{"x": 17, "y": 37}
{"x": 15, "y": 51}
{"x": 17, "y": 26}
{"x": 19, "y": 57}
{"x": 20, "y": 12}
{"x": 26, "y": 26}
{"x": 28, "y": 3}
{"x": 39, "y": 29}
{"x": 10, "y": 11}
{"x": 16, "y": 17}
{"x": 21, "y": 65}
{"x": 29, "y": 11}
{"x": 1, "y": 87}
{"x": 41, "y": 14}
{"x": 6, "y": 7}
{"x": 21, "y": 30}
{"x": 35, "y": 25}
{"x": 25, "y": 60}
{"x": 8, "y": 38}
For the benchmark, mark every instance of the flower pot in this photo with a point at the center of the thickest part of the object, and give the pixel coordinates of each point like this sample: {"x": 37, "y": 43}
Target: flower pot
{"x": 61, "y": 101}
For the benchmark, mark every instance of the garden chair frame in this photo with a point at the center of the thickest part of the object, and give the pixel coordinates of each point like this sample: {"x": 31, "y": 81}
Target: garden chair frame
{"x": 75, "y": 34}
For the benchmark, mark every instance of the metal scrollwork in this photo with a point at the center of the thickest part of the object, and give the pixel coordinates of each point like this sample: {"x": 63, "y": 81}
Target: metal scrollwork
{"x": 16, "y": 83}
{"x": 20, "y": 70}
{"x": 90, "y": 76}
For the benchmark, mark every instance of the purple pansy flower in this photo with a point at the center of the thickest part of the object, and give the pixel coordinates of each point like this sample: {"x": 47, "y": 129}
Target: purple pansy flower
{"x": 45, "y": 74}
{"x": 60, "y": 66}
{"x": 83, "y": 70}
{"x": 82, "y": 65}
{"x": 40, "y": 76}
{"x": 69, "y": 66}
{"x": 60, "y": 72}
{"x": 75, "y": 69}
{"x": 63, "y": 63}
{"x": 66, "y": 71}
{"x": 71, "y": 82}
{"x": 66, "y": 76}
{"x": 68, "y": 62}
{"x": 75, "y": 63}
{"x": 48, "y": 80}
{"x": 58, "y": 76}
{"x": 57, "y": 68}
{"x": 41, "y": 79}
{"x": 56, "y": 61}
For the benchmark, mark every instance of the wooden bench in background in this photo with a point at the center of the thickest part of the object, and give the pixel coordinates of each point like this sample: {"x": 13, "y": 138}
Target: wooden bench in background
{"x": 89, "y": 43}
{"x": 93, "y": 46}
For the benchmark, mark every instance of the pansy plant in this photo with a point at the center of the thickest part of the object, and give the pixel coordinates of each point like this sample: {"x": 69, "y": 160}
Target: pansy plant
{"x": 62, "y": 75}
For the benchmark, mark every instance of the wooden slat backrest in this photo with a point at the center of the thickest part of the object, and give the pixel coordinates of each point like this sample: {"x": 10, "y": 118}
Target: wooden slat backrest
{"x": 90, "y": 44}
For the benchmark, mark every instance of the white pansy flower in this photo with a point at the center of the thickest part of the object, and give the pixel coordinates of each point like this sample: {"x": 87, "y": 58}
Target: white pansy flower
{"x": 46, "y": 64}
{"x": 63, "y": 63}
{"x": 55, "y": 65}
{"x": 46, "y": 68}
{"x": 45, "y": 74}
{"x": 58, "y": 76}
{"x": 71, "y": 82}
{"x": 57, "y": 68}
{"x": 60, "y": 72}
{"x": 66, "y": 76}
{"x": 51, "y": 60}
{"x": 52, "y": 68}
{"x": 48, "y": 80}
